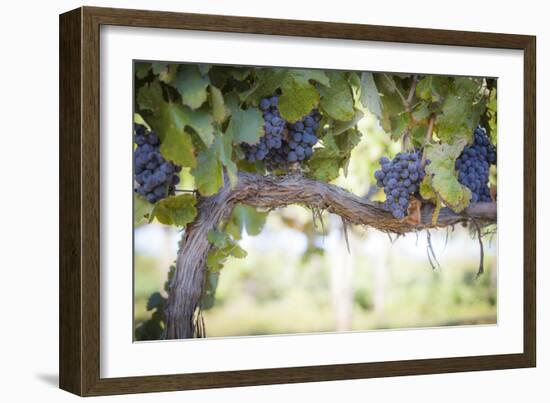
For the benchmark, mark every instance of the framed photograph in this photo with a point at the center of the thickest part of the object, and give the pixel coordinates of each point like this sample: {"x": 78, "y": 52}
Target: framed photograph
{"x": 249, "y": 201}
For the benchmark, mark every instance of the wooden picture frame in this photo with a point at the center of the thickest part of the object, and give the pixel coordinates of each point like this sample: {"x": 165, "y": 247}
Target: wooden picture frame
{"x": 80, "y": 185}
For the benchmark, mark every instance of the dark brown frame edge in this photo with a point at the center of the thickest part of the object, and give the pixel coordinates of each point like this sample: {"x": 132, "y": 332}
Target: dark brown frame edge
{"x": 79, "y": 200}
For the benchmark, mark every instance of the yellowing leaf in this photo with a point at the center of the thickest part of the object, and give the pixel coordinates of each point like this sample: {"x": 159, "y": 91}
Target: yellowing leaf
{"x": 298, "y": 98}
{"x": 142, "y": 209}
{"x": 175, "y": 210}
{"x": 442, "y": 174}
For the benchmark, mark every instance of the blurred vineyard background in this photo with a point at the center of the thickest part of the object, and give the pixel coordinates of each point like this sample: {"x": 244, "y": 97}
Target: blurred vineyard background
{"x": 300, "y": 277}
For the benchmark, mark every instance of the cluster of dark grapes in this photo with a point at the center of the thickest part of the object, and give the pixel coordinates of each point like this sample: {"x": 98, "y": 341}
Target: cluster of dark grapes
{"x": 274, "y": 127}
{"x": 473, "y": 166}
{"x": 400, "y": 178}
{"x": 283, "y": 143}
{"x": 156, "y": 178}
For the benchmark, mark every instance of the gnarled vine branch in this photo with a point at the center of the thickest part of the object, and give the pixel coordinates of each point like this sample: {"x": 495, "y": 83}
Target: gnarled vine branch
{"x": 279, "y": 191}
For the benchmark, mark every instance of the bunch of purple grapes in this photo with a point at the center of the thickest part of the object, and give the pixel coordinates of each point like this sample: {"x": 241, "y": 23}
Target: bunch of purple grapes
{"x": 274, "y": 127}
{"x": 283, "y": 143}
{"x": 400, "y": 178}
{"x": 473, "y": 166}
{"x": 155, "y": 177}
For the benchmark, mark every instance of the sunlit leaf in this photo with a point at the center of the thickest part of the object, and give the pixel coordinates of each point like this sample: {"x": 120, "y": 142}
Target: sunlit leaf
{"x": 175, "y": 210}
{"x": 299, "y": 97}
{"x": 442, "y": 175}
{"x": 142, "y": 210}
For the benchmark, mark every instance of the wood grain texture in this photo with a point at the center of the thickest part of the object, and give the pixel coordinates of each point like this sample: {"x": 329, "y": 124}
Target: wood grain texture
{"x": 70, "y": 274}
{"x": 530, "y": 202}
{"x": 79, "y": 200}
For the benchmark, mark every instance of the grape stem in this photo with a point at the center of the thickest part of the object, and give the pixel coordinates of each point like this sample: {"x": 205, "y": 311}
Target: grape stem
{"x": 481, "y": 252}
{"x": 393, "y": 87}
{"x": 407, "y": 104}
{"x": 410, "y": 97}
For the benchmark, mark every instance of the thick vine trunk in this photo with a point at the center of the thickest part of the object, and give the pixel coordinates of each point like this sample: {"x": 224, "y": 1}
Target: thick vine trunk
{"x": 273, "y": 192}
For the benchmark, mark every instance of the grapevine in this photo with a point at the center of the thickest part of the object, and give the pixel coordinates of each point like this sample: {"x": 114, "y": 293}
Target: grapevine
{"x": 248, "y": 138}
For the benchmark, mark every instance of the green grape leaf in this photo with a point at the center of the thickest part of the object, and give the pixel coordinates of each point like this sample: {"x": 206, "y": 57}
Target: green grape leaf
{"x": 267, "y": 81}
{"x": 225, "y": 153}
{"x": 399, "y": 125}
{"x": 142, "y": 210}
{"x": 201, "y": 122}
{"x": 337, "y": 100}
{"x": 204, "y": 68}
{"x": 442, "y": 175}
{"x": 304, "y": 76}
{"x": 340, "y": 127}
{"x": 239, "y": 73}
{"x": 245, "y": 126}
{"x": 492, "y": 111}
{"x": 221, "y": 75}
{"x": 175, "y": 210}
{"x": 238, "y": 252}
{"x": 191, "y": 85}
{"x": 418, "y": 135}
{"x": 324, "y": 166}
{"x": 299, "y": 97}
{"x": 215, "y": 259}
{"x": 168, "y": 74}
{"x": 223, "y": 247}
{"x": 208, "y": 173}
{"x": 142, "y": 69}
{"x": 150, "y": 329}
{"x": 460, "y": 111}
{"x": 209, "y": 293}
{"x": 168, "y": 119}
{"x": 326, "y": 162}
{"x": 391, "y": 102}
{"x": 370, "y": 98}
{"x": 158, "y": 67}
{"x": 178, "y": 147}
{"x": 247, "y": 218}
{"x": 218, "y": 238}
{"x": 155, "y": 301}
{"x": 421, "y": 111}
{"x": 433, "y": 88}
{"x": 347, "y": 141}
{"x": 219, "y": 111}
{"x": 426, "y": 190}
